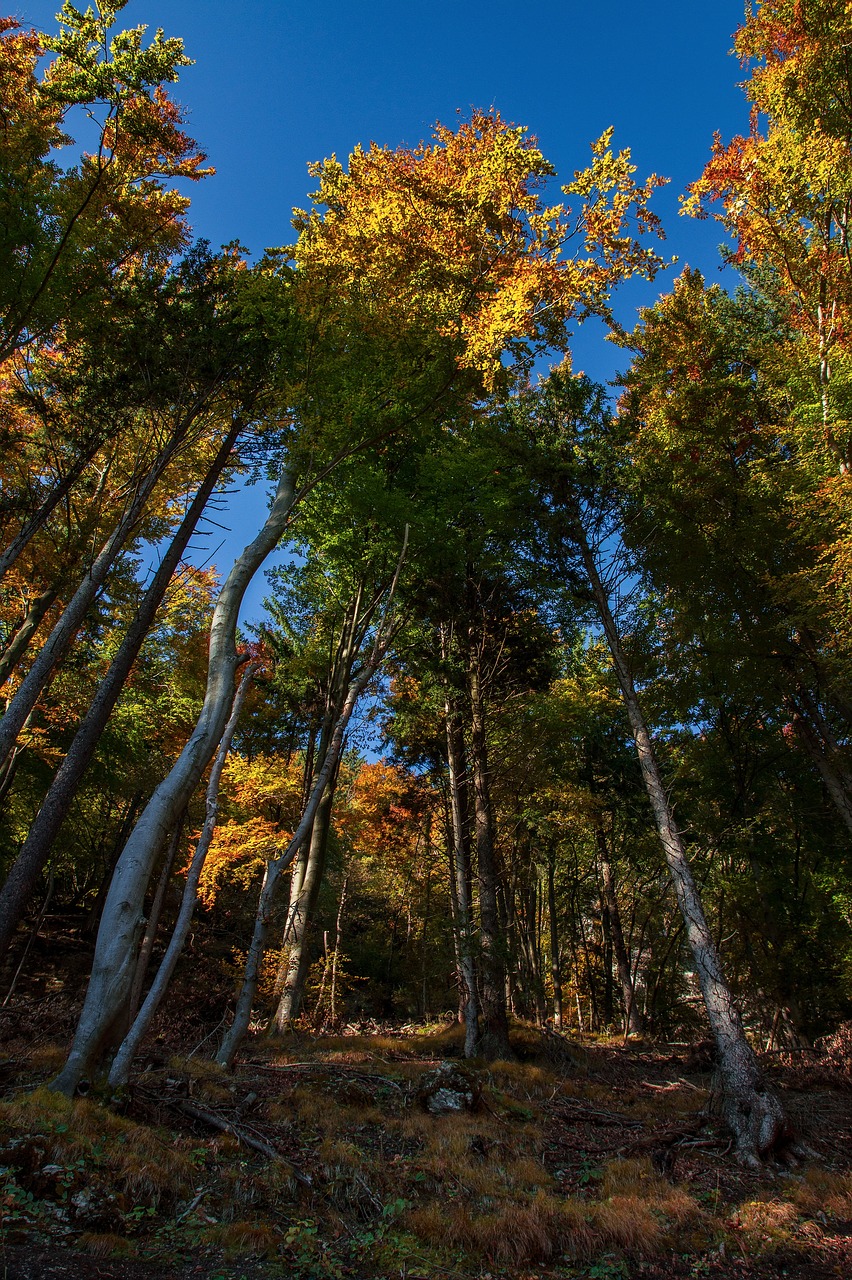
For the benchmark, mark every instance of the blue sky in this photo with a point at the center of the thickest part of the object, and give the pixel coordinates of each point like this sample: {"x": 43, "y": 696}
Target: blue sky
{"x": 276, "y": 85}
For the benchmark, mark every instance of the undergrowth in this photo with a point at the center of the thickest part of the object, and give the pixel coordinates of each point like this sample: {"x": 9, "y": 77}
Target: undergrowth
{"x": 568, "y": 1165}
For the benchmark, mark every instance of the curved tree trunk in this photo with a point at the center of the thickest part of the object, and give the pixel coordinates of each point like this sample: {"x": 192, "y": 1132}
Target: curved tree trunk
{"x": 127, "y": 1051}
{"x": 122, "y": 920}
{"x": 751, "y": 1109}
{"x": 35, "y": 851}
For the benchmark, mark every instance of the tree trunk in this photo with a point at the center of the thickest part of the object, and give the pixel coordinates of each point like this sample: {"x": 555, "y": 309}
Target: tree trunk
{"x": 150, "y": 935}
{"x": 121, "y": 922}
{"x": 307, "y": 879}
{"x": 750, "y": 1108}
{"x": 461, "y": 873}
{"x": 67, "y": 626}
{"x": 35, "y": 851}
{"x": 632, "y": 1015}
{"x": 127, "y": 1051}
{"x": 275, "y": 868}
{"x": 555, "y": 964}
{"x": 494, "y": 1041}
{"x": 40, "y": 517}
{"x": 20, "y": 641}
{"x": 301, "y": 914}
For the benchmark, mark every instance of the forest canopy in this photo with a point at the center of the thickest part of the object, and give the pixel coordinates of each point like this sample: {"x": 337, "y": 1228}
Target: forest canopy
{"x": 548, "y": 719}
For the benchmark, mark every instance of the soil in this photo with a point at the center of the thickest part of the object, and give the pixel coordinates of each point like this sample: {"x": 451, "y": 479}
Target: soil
{"x": 638, "y": 1102}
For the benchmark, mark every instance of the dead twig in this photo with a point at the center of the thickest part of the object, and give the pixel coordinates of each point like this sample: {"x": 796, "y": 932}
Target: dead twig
{"x": 226, "y": 1126}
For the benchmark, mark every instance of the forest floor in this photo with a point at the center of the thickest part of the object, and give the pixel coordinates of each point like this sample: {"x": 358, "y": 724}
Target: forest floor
{"x": 315, "y": 1160}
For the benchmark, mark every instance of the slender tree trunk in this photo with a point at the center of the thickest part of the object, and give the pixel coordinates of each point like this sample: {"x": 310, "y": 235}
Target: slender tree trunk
{"x": 67, "y": 626}
{"x": 150, "y": 935}
{"x": 20, "y": 641}
{"x": 301, "y": 914}
{"x": 751, "y": 1109}
{"x": 461, "y": 871}
{"x": 306, "y": 883}
{"x": 127, "y": 1051}
{"x": 40, "y": 517}
{"x": 115, "y": 952}
{"x": 35, "y": 850}
{"x": 632, "y": 1014}
{"x": 494, "y": 1041}
{"x": 335, "y": 963}
{"x": 275, "y": 868}
{"x": 606, "y": 939}
{"x": 555, "y": 964}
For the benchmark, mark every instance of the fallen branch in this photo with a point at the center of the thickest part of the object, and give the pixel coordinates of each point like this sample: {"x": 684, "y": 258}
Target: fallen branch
{"x": 227, "y": 1126}
{"x": 595, "y": 1115}
{"x": 328, "y": 1066}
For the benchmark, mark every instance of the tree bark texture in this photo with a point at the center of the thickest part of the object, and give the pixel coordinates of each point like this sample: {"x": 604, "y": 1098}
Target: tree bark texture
{"x": 127, "y": 1051}
{"x": 122, "y": 920}
{"x": 494, "y": 1040}
{"x": 67, "y": 626}
{"x": 751, "y": 1109}
{"x": 36, "y": 849}
{"x": 461, "y": 873}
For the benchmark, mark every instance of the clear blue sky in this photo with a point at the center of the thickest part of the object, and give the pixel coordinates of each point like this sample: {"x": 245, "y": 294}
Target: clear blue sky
{"x": 276, "y": 85}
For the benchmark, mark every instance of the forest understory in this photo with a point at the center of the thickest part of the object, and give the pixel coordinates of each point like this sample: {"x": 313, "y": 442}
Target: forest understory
{"x": 315, "y": 1157}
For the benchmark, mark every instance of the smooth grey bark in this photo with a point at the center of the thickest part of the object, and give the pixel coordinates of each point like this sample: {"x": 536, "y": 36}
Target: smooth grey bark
{"x": 123, "y": 1060}
{"x": 122, "y": 919}
{"x": 461, "y": 875}
{"x": 150, "y": 935}
{"x": 750, "y": 1107}
{"x": 35, "y": 851}
{"x": 277, "y": 866}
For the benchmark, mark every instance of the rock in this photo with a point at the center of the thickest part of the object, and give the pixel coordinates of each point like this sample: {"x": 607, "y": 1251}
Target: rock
{"x": 449, "y": 1089}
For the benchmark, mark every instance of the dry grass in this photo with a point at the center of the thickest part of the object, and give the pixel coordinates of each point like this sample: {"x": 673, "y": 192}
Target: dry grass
{"x": 764, "y": 1226}
{"x": 106, "y": 1245}
{"x": 533, "y": 1179}
{"x": 247, "y": 1239}
{"x": 143, "y": 1163}
{"x": 824, "y": 1192}
{"x": 517, "y": 1234}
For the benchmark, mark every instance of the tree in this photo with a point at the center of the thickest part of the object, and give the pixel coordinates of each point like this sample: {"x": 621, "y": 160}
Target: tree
{"x": 67, "y": 232}
{"x": 567, "y": 419}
